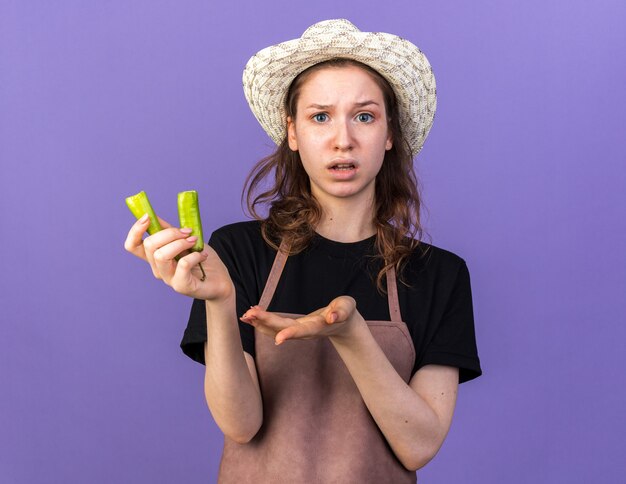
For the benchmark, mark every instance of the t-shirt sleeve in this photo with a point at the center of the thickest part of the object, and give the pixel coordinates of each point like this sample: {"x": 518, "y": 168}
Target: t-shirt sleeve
{"x": 195, "y": 334}
{"x": 454, "y": 342}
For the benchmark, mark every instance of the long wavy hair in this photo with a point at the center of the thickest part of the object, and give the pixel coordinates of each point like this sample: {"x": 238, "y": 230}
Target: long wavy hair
{"x": 294, "y": 212}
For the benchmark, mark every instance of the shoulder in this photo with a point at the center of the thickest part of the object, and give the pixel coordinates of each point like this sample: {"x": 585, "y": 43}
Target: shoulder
{"x": 435, "y": 272}
{"x": 241, "y": 245}
{"x": 435, "y": 260}
{"x": 249, "y": 229}
{"x": 240, "y": 236}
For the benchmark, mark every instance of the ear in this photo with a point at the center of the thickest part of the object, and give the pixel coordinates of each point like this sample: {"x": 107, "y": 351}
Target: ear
{"x": 291, "y": 134}
{"x": 389, "y": 143}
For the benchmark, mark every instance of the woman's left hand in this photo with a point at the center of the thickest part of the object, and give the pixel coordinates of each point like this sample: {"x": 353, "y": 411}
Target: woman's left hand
{"x": 336, "y": 319}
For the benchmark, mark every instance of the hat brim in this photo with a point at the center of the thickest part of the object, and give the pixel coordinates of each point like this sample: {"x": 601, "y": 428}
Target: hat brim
{"x": 269, "y": 73}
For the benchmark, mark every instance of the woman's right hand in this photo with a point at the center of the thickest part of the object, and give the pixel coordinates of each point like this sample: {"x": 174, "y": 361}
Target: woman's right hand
{"x": 184, "y": 275}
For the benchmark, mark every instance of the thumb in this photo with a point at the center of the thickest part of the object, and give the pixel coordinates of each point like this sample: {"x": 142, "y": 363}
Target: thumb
{"x": 340, "y": 309}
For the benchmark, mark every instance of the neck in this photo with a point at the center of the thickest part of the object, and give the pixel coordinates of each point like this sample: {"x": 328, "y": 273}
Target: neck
{"x": 347, "y": 220}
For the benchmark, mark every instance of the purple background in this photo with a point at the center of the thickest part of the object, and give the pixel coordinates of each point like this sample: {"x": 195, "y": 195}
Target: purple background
{"x": 524, "y": 176}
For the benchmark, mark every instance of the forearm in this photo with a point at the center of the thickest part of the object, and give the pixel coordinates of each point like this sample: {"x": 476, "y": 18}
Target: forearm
{"x": 231, "y": 393}
{"x": 409, "y": 424}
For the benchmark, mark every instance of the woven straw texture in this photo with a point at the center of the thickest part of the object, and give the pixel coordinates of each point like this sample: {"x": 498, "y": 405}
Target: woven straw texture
{"x": 269, "y": 73}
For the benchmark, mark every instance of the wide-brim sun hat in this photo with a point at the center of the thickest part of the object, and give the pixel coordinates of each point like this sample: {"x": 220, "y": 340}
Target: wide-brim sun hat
{"x": 269, "y": 73}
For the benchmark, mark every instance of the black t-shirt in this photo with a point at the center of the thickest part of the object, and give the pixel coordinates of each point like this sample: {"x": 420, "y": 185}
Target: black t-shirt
{"x": 437, "y": 308}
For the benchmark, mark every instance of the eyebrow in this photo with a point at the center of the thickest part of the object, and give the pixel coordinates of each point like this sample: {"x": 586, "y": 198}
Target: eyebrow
{"x": 327, "y": 106}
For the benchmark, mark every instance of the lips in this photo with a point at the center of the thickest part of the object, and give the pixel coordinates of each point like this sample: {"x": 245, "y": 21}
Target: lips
{"x": 342, "y": 169}
{"x": 341, "y": 165}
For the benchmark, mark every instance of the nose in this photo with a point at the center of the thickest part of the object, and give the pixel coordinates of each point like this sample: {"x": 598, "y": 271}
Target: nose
{"x": 344, "y": 140}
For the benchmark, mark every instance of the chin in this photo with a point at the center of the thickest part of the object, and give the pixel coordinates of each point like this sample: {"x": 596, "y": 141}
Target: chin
{"x": 342, "y": 191}
{"x": 346, "y": 193}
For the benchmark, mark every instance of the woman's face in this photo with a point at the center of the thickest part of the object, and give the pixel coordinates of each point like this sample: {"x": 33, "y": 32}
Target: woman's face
{"x": 341, "y": 132}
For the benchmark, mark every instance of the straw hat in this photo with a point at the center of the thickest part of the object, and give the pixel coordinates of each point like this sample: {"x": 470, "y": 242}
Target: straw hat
{"x": 269, "y": 73}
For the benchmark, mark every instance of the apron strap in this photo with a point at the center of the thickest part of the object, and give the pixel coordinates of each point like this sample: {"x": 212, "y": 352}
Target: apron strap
{"x": 272, "y": 279}
{"x": 279, "y": 264}
{"x": 392, "y": 296}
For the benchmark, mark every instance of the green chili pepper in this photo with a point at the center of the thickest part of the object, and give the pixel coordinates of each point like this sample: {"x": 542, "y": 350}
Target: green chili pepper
{"x": 189, "y": 217}
{"x": 140, "y": 205}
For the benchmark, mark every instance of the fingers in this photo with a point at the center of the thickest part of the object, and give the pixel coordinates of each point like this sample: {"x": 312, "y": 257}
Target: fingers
{"x": 302, "y": 330}
{"x": 164, "y": 267}
{"x": 288, "y": 333}
{"x": 313, "y": 325}
{"x": 266, "y": 322}
{"x": 258, "y": 325}
{"x": 256, "y": 315}
{"x": 318, "y": 323}
{"x": 164, "y": 257}
{"x": 134, "y": 241}
{"x": 183, "y": 281}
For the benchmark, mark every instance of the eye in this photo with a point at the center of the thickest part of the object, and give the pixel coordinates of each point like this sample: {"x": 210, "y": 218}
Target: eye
{"x": 320, "y": 117}
{"x": 365, "y": 117}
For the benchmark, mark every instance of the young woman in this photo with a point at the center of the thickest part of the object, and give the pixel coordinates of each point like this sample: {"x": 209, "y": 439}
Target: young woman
{"x": 334, "y": 340}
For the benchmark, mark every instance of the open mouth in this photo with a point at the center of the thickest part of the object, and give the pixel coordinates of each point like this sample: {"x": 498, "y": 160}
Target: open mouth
{"x": 343, "y": 166}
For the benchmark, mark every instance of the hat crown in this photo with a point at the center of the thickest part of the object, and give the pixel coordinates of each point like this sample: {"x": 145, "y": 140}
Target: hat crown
{"x": 326, "y": 26}
{"x": 269, "y": 73}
